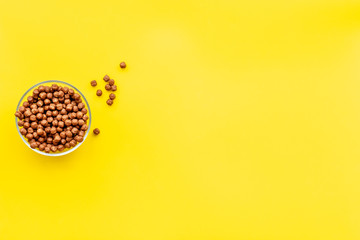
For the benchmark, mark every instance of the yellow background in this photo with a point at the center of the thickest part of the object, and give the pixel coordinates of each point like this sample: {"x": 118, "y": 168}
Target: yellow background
{"x": 234, "y": 120}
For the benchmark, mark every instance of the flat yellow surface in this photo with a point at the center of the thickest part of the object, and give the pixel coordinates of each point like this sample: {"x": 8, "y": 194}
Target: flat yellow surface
{"x": 234, "y": 120}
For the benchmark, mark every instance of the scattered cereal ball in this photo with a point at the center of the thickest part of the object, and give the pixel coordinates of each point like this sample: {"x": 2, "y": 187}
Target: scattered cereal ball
{"x": 93, "y": 83}
{"x": 106, "y": 78}
{"x": 123, "y": 65}
{"x": 109, "y": 102}
{"x": 112, "y": 96}
{"x": 96, "y": 131}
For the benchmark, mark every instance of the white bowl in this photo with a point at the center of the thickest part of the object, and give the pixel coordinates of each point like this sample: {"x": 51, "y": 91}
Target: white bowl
{"x": 49, "y": 83}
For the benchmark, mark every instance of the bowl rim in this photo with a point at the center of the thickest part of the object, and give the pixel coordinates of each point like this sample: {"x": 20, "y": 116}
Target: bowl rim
{"x": 56, "y": 154}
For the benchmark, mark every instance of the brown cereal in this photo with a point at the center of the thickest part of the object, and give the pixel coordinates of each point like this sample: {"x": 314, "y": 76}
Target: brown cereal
{"x": 81, "y": 105}
{"x": 75, "y": 131}
{"x": 79, "y": 115}
{"x": 26, "y": 125}
{"x": 20, "y": 123}
{"x": 42, "y": 147}
{"x": 109, "y": 102}
{"x": 113, "y": 88}
{"x": 123, "y": 65}
{"x": 53, "y": 118}
{"x": 96, "y": 131}
{"x": 112, "y": 96}
{"x": 106, "y": 78}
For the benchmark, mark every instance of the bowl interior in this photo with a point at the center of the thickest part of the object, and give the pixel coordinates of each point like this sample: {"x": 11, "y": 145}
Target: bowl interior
{"x": 49, "y": 83}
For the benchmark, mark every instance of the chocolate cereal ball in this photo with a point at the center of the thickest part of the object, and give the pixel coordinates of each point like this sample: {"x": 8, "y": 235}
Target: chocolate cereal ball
{"x": 123, "y": 65}
{"x": 93, "y": 83}
{"x": 96, "y": 131}
{"x": 109, "y": 102}
{"x": 112, "y": 96}
{"x": 106, "y": 78}
{"x": 113, "y": 88}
